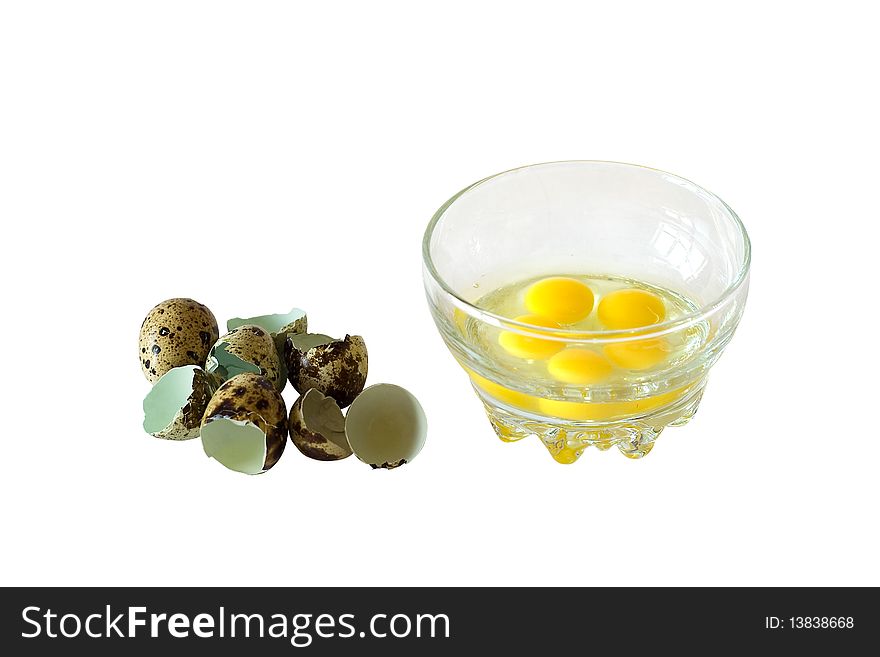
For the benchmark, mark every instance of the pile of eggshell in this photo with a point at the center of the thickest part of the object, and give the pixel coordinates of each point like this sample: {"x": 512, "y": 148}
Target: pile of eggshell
{"x": 226, "y": 390}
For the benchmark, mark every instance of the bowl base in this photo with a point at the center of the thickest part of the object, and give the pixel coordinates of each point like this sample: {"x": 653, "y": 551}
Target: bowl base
{"x": 566, "y": 440}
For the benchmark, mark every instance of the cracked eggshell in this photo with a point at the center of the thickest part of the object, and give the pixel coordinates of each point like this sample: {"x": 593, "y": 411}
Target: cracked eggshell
{"x": 246, "y": 348}
{"x": 245, "y": 424}
{"x": 386, "y": 426}
{"x": 175, "y": 333}
{"x": 175, "y": 405}
{"x": 337, "y": 368}
{"x": 317, "y": 427}
{"x": 279, "y": 327}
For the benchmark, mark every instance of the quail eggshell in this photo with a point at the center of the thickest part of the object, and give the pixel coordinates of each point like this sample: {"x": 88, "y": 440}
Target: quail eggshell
{"x": 175, "y": 405}
{"x": 337, "y": 368}
{"x": 386, "y": 426}
{"x": 176, "y": 332}
{"x": 247, "y": 348}
{"x": 317, "y": 427}
{"x": 279, "y": 327}
{"x": 245, "y": 424}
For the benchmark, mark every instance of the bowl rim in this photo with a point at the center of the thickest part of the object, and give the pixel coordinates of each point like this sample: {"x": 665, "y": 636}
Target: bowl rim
{"x": 594, "y": 337}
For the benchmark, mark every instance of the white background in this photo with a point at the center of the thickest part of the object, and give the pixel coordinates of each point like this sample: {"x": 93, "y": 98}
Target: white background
{"x": 258, "y": 156}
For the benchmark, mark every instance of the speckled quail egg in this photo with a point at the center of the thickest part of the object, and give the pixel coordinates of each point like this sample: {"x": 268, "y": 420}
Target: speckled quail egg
{"x": 174, "y": 407}
{"x": 279, "y": 327}
{"x": 386, "y": 426}
{"x": 176, "y": 332}
{"x": 245, "y": 424}
{"x": 246, "y": 348}
{"x": 338, "y": 368}
{"x": 317, "y": 427}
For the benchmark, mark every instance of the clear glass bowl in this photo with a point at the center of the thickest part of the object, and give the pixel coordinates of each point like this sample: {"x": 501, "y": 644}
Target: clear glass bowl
{"x": 593, "y": 219}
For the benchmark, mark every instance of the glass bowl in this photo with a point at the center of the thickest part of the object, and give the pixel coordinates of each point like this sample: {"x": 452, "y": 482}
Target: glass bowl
{"x": 595, "y": 221}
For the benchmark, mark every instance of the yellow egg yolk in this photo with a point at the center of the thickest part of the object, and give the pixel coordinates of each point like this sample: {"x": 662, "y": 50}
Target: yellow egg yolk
{"x": 527, "y": 347}
{"x": 593, "y": 411}
{"x": 560, "y": 299}
{"x": 631, "y": 308}
{"x": 502, "y": 394}
{"x": 578, "y": 366}
{"x": 638, "y": 355}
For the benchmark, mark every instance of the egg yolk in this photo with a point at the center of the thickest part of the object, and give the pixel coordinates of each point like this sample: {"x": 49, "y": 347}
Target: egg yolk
{"x": 638, "y": 355}
{"x": 578, "y": 366}
{"x": 563, "y": 300}
{"x": 502, "y": 394}
{"x": 631, "y": 308}
{"x": 527, "y": 347}
{"x": 571, "y": 410}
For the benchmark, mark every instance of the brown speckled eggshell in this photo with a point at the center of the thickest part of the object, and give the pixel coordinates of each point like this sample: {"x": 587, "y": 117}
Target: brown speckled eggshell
{"x": 253, "y": 344}
{"x": 253, "y": 398}
{"x": 188, "y": 420}
{"x": 311, "y": 443}
{"x": 176, "y": 332}
{"x": 296, "y": 327}
{"x": 337, "y": 369}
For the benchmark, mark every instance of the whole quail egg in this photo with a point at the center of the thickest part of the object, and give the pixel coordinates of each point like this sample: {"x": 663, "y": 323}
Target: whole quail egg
{"x": 317, "y": 427}
{"x": 174, "y": 407}
{"x": 247, "y": 348}
{"x": 176, "y": 332}
{"x": 279, "y": 327}
{"x": 386, "y": 426}
{"x": 245, "y": 424}
{"x": 337, "y": 368}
